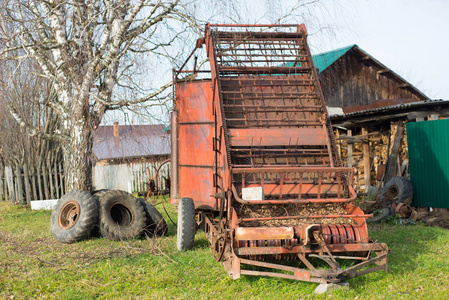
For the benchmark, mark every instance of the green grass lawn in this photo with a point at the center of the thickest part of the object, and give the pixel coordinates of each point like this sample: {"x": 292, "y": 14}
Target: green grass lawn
{"x": 34, "y": 265}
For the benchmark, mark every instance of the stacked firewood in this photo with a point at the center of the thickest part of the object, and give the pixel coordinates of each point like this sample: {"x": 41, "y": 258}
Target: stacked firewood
{"x": 380, "y": 146}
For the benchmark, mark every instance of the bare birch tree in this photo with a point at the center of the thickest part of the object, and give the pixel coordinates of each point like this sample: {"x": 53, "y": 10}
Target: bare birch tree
{"x": 82, "y": 47}
{"x": 87, "y": 51}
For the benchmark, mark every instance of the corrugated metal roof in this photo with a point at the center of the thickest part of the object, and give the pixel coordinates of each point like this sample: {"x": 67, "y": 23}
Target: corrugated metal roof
{"x": 325, "y": 59}
{"x": 428, "y": 143}
{"x": 133, "y": 141}
{"x": 389, "y": 108}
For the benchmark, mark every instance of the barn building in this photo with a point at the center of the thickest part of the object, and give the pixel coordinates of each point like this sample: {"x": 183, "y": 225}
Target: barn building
{"x": 369, "y": 105}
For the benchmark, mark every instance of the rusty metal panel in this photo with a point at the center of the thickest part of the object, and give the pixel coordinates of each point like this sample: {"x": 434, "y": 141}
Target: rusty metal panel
{"x": 428, "y": 144}
{"x": 197, "y": 184}
{"x": 276, "y": 137}
{"x": 194, "y": 101}
{"x": 266, "y": 233}
{"x": 195, "y": 129}
{"x": 196, "y": 143}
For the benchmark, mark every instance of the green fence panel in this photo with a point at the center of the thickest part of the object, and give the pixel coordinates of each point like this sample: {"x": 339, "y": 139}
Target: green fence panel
{"x": 428, "y": 149}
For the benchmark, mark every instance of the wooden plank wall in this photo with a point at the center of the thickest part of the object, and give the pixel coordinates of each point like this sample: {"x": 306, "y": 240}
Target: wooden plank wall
{"x": 350, "y": 81}
{"x": 22, "y": 184}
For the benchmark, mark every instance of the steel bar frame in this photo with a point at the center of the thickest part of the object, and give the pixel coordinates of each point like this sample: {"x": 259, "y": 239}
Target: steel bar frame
{"x": 264, "y": 84}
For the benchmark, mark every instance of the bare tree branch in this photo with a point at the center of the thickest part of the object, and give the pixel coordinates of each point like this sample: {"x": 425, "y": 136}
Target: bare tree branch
{"x": 32, "y": 131}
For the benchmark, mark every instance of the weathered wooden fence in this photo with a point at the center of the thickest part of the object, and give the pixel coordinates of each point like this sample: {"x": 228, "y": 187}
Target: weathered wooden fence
{"x": 22, "y": 184}
{"x": 131, "y": 177}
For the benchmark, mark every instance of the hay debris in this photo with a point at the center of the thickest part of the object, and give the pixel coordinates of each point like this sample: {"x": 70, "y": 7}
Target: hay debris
{"x": 291, "y": 209}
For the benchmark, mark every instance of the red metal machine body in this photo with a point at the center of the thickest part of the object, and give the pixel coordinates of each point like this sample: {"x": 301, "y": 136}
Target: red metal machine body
{"x": 260, "y": 122}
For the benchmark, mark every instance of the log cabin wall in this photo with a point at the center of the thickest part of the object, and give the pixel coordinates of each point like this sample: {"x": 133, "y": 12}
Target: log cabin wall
{"x": 357, "y": 79}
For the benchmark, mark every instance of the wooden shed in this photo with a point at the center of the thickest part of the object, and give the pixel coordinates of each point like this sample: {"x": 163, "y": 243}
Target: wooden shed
{"x": 126, "y": 157}
{"x": 376, "y": 139}
{"x": 351, "y": 78}
{"x": 369, "y": 105}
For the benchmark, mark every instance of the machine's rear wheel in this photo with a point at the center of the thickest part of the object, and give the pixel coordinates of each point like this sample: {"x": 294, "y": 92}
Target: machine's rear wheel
{"x": 186, "y": 224}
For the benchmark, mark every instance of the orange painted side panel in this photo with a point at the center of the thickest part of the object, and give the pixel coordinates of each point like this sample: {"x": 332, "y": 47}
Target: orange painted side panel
{"x": 196, "y": 183}
{"x": 194, "y": 142}
{"x": 194, "y": 101}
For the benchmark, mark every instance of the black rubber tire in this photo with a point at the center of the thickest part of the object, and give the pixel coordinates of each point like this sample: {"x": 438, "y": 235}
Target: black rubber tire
{"x": 99, "y": 191}
{"x": 186, "y": 224}
{"x": 121, "y": 216}
{"x": 384, "y": 214}
{"x": 400, "y": 186}
{"x": 74, "y": 217}
{"x": 155, "y": 223}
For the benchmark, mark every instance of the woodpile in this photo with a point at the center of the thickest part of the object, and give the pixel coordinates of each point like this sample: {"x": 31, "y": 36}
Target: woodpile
{"x": 380, "y": 142}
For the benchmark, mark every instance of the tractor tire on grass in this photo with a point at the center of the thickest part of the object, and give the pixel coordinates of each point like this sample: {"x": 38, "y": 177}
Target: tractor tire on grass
{"x": 74, "y": 217}
{"x": 155, "y": 223}
{"x": 121, "y": 216}
{"x": 383, "y": 214}
{"x": 398, "y": 190}
{"x": 186, "y": 224}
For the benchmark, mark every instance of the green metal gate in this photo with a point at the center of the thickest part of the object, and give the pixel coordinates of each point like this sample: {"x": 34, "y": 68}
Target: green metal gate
{"x": 428, "y": 148}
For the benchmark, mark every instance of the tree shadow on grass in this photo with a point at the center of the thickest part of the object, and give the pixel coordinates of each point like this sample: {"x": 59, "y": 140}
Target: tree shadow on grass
{"x": 202, "y": 244}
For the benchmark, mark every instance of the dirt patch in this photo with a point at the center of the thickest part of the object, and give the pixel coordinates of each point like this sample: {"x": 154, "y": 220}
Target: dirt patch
{"x": 435, "y": 218}
{"x": 291, "y": 209}
{"x": 55, "y": 253}
{"x": 22, "y": 246}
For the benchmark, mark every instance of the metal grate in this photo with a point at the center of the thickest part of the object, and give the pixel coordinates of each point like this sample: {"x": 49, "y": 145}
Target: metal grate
{"x": 273, "y": 111}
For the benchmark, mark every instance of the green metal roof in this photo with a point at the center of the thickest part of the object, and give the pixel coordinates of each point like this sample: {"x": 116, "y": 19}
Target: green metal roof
{"x": 325, "y": 59}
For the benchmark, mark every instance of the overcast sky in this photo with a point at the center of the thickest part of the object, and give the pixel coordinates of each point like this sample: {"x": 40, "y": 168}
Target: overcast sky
{"x": 411, "y": 37}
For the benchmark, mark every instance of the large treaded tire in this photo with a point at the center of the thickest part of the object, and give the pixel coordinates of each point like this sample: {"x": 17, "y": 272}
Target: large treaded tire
{"x": 399, "y": 190}
{"x": 155, "y": 223}
{"x": 121, "y": 216}
{"x": 384, "y": 213}
{"x": 186, "y": 224}
{"x": 74, "y": 217}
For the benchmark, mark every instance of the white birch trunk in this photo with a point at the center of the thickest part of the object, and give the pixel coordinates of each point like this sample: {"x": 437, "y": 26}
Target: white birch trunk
{"x": 77, "y": 158}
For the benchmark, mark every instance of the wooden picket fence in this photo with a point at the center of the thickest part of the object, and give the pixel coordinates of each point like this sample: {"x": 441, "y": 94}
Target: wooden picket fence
{"x": 132, "y": 176}
{"x": 22, "y": 184}
{"x": 141, "y": 173}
